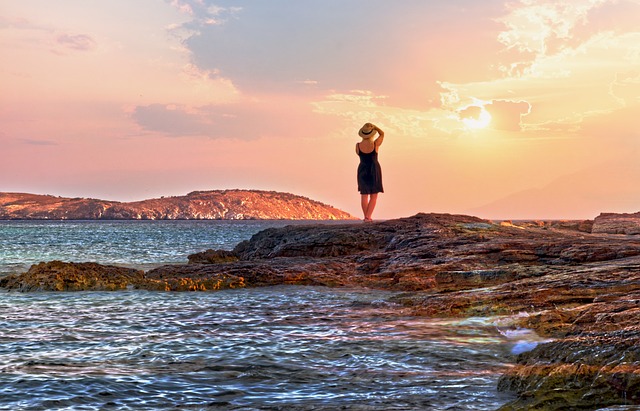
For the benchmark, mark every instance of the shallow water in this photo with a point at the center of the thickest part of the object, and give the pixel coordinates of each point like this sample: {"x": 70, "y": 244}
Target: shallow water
{"x": 288, "y": 348}
{"x": 271, "y": 348}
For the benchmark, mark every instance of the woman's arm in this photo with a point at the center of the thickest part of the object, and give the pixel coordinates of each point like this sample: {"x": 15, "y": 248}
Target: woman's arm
{"x": 380, "y": 138}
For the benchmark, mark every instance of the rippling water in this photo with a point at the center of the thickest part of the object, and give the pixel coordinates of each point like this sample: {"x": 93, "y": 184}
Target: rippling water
{"x": 273, "y": 348}
{"x": 282, "y": 348}
{"x": 141, "y": 244}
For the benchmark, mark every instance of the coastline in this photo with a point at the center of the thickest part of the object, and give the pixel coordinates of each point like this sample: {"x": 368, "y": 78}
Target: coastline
{"x": 577, "y": 288}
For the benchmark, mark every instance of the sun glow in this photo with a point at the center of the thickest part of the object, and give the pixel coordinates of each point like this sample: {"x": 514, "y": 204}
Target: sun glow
{"x": 482, "y": 120}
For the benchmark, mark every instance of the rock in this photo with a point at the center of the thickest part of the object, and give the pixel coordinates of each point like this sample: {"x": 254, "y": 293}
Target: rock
{"x": 312, "y": 241}
{"x": 212, "y": 256}
{"x": 259, "y": 273}
{"x": 199, "y": 205}
{"x": 584, "y": 226}
{"x": 61, "y": 276}
{"x": 611, "y": 223}
{"x": 214, "y": 282}
{"x": 464, "y": 280}
{"x": 589, "y": 368}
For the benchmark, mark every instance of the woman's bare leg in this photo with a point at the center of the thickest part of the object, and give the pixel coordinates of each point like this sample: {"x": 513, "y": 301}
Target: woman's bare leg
{"x": 364, "y": 202}
{"x": 373, "y": 198}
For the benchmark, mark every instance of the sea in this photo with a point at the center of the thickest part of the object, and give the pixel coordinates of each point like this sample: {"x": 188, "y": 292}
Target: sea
{"x": 272, "y": 348}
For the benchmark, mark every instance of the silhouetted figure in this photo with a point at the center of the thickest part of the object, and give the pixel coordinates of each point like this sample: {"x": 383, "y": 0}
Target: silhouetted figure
{"x": 369, "y": 170}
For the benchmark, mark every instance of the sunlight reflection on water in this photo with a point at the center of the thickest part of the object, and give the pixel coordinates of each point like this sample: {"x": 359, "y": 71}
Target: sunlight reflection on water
{"x": 241, "y": 349}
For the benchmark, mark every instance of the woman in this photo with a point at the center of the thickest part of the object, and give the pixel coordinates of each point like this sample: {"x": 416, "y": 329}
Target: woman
{"x": 369, "y": 171}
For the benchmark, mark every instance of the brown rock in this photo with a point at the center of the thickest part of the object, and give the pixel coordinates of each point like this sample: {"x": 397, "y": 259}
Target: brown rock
{"x": 612, "y": 223}
{"x": 212, "y": 257}
{"x": 589, "y": 370}
{"x": 464, "y": 280}
{"x": 212, "y": 283}
{"x": 60, "y": 276}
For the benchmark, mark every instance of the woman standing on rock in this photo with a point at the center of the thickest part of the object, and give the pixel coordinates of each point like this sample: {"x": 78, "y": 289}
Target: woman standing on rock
{"x": 369, "y": 171}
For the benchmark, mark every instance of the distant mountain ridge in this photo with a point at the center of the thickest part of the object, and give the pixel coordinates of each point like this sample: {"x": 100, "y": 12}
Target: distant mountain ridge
{"x": 197, "y": 205}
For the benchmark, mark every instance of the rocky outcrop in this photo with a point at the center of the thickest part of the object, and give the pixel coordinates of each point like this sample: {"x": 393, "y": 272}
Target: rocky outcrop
{"x": 593, "y": 362}
{"x": 61, "y": 276}
{"x": 580, "y": 290}
{"x": 198, "y": 205}
{"x": 612, "y": 223}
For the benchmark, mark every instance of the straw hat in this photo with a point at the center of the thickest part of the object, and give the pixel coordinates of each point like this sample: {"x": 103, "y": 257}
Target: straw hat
{"x": 367, "y": 131}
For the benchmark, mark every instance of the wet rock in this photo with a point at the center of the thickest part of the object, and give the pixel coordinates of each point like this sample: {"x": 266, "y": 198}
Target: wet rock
{"x": 61, "y": 276}
{"x": 214, "y": 282}
{"x": 586, "y": 371}
{"x": 212, "y": 257}
{"x": 259, "y": 273}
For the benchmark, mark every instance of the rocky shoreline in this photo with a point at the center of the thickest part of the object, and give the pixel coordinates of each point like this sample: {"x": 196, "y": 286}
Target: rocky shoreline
{"x": 572, "y": 282}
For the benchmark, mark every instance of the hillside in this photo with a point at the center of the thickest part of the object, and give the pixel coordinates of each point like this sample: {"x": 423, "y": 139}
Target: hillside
{"x": 198, "y": 205}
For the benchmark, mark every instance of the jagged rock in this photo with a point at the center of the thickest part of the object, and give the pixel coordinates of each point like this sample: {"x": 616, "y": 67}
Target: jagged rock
{"x": 312, "y": 241}
{"x": 612, "y": 223}
{"x": 198, "y": 205}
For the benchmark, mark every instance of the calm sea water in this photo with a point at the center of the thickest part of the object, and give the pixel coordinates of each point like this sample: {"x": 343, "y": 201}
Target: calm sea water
{"x": 278, "y": 348}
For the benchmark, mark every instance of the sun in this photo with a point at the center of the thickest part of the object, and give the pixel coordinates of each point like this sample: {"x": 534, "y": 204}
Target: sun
{"x": 478, "y": 121}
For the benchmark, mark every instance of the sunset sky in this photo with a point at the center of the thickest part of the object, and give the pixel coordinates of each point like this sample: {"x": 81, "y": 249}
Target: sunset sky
{"x": 503, "y": 109}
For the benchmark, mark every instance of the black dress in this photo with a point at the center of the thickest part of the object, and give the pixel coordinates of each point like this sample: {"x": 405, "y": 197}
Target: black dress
{"x": 369, "y": 173}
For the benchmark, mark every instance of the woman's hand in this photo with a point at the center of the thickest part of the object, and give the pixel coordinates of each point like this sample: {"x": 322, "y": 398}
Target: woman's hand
{"x": 379, "y": 130}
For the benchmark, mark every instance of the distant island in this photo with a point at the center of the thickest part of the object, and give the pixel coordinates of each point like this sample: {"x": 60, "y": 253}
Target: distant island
{"x": 197, "y": 205}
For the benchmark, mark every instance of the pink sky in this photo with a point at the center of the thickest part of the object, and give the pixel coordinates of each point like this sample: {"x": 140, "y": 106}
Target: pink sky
{"x": 501, "y": 109}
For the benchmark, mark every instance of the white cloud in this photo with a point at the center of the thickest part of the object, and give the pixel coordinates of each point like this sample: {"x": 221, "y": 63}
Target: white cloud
{"x": 182, "y": 6}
